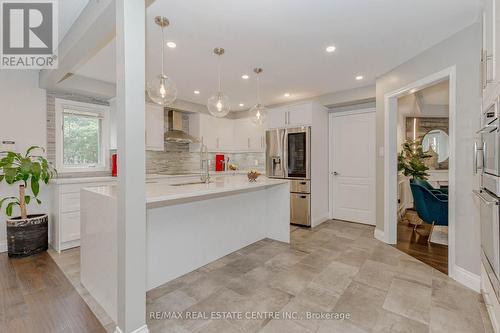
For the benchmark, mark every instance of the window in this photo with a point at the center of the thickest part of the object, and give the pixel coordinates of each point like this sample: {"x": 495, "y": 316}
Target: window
{"x": 82, "y": 137}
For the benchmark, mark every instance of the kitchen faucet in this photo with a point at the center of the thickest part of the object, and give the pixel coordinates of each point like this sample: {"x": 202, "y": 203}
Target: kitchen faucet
{"x": 204, "y": 164}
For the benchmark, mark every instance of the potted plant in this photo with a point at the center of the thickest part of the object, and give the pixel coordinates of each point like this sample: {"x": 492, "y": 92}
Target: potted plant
{"x": 411, "y": 160}
{"x": 26, "y": 234}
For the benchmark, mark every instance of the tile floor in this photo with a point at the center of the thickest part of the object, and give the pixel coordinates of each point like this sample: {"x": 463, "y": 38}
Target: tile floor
{"x": 336, "y": 268}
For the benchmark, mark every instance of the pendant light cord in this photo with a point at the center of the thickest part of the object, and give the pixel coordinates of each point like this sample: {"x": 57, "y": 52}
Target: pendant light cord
{"x": 162, "y": 50}
{"x": 219, "y": 65}
{"x": 258, "y": 88}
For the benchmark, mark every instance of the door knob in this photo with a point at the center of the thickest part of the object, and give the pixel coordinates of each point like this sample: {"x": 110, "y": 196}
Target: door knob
{"x": 335, "y": 173}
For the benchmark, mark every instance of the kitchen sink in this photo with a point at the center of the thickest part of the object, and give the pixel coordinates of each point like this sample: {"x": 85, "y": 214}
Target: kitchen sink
{"x": 191, "y": 183}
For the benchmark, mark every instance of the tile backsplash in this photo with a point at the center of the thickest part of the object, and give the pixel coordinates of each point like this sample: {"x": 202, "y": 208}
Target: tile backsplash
{"x": 172, "y": 162}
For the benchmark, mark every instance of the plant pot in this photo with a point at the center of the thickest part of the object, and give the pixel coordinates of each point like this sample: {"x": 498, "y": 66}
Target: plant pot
{"x": 26, "y": 237}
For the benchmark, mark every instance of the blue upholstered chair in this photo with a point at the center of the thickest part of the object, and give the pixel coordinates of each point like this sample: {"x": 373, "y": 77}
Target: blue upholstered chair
{"x": 428, "y": 186}
{"x": 431, "y": 207}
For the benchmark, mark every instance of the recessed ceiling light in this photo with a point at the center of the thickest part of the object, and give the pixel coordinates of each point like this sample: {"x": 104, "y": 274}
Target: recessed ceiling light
{"x": 286, "y": 95}
{"x": 331, "y": 49}
{"x": 172, "y": 45}
{"x": 359, "y": 77}
{"x": 245, "y": 77}
{"x": 241, "y": 104}
{"x": 196, "y": 92}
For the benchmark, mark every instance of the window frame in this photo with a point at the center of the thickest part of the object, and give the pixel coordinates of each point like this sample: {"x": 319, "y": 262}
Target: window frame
{"x": 103, "y": 112}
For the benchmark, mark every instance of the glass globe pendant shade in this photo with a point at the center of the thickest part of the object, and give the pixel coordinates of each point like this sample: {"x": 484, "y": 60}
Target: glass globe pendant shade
{"x": 162, "y": 90}
{"x": 259, "y": 114}
{"x": 218, "y": 105}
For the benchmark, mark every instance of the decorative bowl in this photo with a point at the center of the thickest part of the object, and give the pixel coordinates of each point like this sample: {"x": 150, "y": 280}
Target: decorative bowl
{"x": 253, "y": 175}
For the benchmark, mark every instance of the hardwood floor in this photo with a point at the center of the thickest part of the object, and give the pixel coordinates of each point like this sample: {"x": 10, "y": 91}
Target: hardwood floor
{"x": 415, "y": 244}
{"x": 35, "y": 296}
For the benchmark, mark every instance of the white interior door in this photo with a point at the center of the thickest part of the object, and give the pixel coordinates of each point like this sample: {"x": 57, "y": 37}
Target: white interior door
{"x": 352, "y": 166}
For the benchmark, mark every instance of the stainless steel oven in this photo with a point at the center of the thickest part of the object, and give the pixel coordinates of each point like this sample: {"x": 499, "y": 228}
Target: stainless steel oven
{"x": 489, "y": 193}
{"x": 490, "y": 236}
{"x": 490, "y": 135}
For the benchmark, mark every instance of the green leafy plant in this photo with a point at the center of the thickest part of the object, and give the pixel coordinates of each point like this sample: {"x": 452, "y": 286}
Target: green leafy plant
{"x": 29, "y": 170}
{"x": 411, "y": 160}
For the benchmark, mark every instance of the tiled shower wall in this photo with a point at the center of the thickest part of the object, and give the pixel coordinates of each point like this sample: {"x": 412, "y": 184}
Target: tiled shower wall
{"x": 172, "y": 162}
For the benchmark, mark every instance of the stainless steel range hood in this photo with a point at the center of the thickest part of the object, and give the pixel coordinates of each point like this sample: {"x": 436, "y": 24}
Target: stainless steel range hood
{"x": 175, "y": 133}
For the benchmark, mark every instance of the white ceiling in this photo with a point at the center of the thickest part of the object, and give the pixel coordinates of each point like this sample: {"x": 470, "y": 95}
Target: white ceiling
{"x": 287, "y": 38}
{"x": 435, "y": 102}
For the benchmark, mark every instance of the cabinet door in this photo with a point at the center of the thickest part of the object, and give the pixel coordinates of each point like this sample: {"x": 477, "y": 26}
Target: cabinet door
{"x": 491, "y": 50}
{"x": 208, "y": 131}
{"x": 225, "y": 135}
{"x": 155, "y": 127}
{"x": 276, "y": 118}
{"x": 241, "y": 134}
{"x": 300, "y": 114}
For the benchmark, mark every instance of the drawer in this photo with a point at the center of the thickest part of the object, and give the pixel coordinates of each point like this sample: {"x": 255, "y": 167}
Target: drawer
{"x": 70, "y": 202}
{"x": 75, "y": 188}
{"x": 300, "y": 186}
{"x": 300, "y": 209}
{"x": 70, "y": 226}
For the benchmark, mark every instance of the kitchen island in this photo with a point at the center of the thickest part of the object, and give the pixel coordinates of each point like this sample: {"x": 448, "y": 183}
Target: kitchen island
{"x": 189, "y": 224}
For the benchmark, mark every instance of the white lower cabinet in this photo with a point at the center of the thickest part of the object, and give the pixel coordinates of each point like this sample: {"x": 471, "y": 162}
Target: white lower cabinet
{"x": 64, "y": 216}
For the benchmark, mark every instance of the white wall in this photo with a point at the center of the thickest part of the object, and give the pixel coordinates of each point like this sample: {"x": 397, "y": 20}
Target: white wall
{"x": 463, "y": 51}
{"x": 23, "y": 119}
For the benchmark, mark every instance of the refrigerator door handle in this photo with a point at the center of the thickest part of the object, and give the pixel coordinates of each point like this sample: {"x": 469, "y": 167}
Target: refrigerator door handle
{"x": 476, "y": 152}
{"x": 285, "y": 153}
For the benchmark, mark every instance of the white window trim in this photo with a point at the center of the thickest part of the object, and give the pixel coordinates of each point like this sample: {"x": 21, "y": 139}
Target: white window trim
{"x": 60, "y": 104}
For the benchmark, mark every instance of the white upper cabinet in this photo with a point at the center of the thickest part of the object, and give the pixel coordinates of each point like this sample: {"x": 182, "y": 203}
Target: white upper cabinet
{"x": 226, "y": 135}
{"x": 291, "y": 115}
{"x": 155, "y": 127}
{"x": 490, "y": 58}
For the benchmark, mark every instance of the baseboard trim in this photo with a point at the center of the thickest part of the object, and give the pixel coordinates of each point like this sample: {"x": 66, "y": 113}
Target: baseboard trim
{"x": 143, "y": 329}
{"x": 320, "y": 220}
{"x": 3, "y": 247}
{"x": 379, "y": 234}
{"x": 468, "y": 279}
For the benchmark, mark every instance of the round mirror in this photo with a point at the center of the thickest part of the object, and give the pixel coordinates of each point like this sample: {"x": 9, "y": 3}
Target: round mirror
{"x": 438, "y": 141}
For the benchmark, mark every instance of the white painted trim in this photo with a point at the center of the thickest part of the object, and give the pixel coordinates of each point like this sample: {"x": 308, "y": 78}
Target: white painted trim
{"x": 390, "y": 158}
{"x": 379, "y": 234}
{"x": 351, "y": 112}
{"x": 3, "y": 247}
{"x": 468, "y": 279}
{"x": 331, "y": 199}
{"x": 143, "y": 329}
{"x": 88, "y": 107}
{"x": 320, "y": 220}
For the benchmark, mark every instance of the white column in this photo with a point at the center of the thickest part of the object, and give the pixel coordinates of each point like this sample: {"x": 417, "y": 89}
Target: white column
{"x": 130, "y": 101}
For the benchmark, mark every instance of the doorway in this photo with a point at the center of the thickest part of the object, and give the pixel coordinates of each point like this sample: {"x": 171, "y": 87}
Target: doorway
{"x": 352, "y": 166}
{"x": 423, "y": 165}
{"x": 390, "y": 151}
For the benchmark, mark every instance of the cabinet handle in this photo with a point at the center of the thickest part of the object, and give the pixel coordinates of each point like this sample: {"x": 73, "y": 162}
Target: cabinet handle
{"x": 303, "y": 197}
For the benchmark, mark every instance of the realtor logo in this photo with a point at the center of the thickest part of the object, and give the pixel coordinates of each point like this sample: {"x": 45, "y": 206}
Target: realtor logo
{"x": 29, "y": 34}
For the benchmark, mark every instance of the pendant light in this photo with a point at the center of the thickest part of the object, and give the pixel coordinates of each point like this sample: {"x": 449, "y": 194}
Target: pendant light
{"x": 258, "y": 111}
{"x": 161, "y": 89}
{"x": 218, "y": 104}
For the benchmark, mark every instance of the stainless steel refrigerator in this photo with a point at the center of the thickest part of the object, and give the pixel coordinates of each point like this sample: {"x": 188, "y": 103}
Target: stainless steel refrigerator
{"x": 288, "y": 156}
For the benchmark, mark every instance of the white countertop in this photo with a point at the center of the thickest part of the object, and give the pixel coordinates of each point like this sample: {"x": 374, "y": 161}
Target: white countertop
{"x": 165, "y": 192}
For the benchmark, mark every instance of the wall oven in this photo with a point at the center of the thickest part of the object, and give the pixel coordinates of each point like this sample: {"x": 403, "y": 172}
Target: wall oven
{"x": 487, "y": 157}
